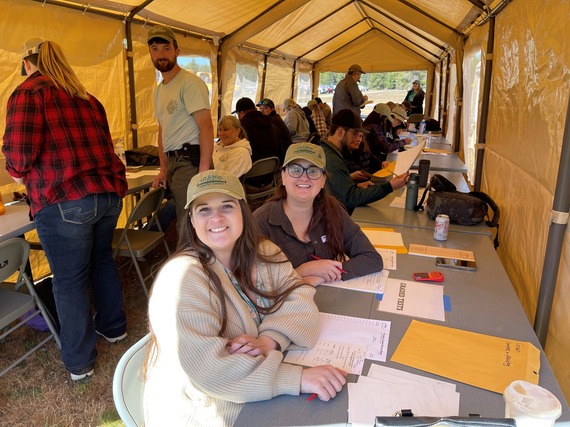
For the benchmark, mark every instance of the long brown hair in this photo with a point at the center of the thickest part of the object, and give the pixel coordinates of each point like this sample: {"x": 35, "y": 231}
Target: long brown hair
{"x": 245, "y": 255}
{"x": 51, "y": 63}
{"x": 327, "y": 211}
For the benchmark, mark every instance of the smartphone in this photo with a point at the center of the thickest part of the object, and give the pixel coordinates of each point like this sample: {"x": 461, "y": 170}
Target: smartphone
{"x": 459, "y": 264}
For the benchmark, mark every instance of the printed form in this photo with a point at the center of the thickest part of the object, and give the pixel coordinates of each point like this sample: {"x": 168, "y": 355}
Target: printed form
{"x": 344, "y": 342}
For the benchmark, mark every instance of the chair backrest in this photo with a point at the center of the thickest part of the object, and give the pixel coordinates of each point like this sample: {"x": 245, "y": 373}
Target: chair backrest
{"x": 128, "y": 384}
{"x": 13, "y": 258}
{"x": 146, "y": 206}
{"x": 262, "y": 167}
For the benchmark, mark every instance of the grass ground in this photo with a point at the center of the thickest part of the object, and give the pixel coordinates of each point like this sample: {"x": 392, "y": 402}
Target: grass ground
{"x": 39, "y": 391}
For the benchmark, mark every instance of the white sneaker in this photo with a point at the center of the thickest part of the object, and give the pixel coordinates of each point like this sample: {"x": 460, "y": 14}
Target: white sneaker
{"x": 113, "y": 339}
{"x": 79, "y": 377}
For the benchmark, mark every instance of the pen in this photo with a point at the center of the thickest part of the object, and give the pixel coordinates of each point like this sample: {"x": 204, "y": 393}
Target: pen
{"x": 317, "y": 258}
{"x": 312, "y": 396}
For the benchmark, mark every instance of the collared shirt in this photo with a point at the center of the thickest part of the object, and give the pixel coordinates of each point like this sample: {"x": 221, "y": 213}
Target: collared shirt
{"x": 341, "y": 185}
{"x": 276, "y": 226}
{"x": 60, "y": 146}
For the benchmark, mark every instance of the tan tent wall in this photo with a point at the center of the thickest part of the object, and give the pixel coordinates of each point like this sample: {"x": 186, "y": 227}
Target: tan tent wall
{"x": 529, "y": 99}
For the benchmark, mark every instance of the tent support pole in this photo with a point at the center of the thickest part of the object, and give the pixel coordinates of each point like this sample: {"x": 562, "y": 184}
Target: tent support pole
{"x": 263, "y": 76}
{"x": 131, "y": 70}
{"x": 485, "y": 105}
{"x": 439, "y": 96}
{"x": 556, "y": 233}
{"x": 445, "y": 103}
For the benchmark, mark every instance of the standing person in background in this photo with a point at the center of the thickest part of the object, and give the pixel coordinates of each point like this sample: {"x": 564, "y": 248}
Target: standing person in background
{"x": 347, "y": 95}
{"x": 416, "y": 97}
{"x": 182, "y": 108}
{"x": 232, "y": 153}
{"x": 311, "y": 227}
{"x": 267, "y": 107}
{"x": 296, "y": 121}
{"x": 57, "y": 143}
{"x": 223, "y": 309}
{"x": 326, "y": 109}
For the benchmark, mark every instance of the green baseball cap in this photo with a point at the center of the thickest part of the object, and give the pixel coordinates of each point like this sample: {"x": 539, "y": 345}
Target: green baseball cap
{"x": 161, "y": 32}
{"x": 306, "y": 151}
{"x": 214, "y": 181}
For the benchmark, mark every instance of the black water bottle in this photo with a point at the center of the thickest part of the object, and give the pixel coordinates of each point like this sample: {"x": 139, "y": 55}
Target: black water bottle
{"x": 412, "y": 191}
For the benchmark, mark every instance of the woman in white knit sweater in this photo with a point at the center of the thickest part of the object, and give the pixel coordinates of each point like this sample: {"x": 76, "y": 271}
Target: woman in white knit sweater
{"x": 232, "y": 152}
{"x": 222, "y": 310}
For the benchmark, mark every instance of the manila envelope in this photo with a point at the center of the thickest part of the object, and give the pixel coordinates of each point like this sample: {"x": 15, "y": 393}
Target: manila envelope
{"x": 483, "y": 361}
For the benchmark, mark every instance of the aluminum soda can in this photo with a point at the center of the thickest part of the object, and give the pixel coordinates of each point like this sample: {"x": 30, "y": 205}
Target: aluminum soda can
{"x": 441, "y": 227}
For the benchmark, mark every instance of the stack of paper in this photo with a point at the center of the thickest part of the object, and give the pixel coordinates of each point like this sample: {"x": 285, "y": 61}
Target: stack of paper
{"x": 386, "y": 391}
{"x": 344, "y": 342}
{"x": 385, "y": 238}
{"x": 413, "y": 299}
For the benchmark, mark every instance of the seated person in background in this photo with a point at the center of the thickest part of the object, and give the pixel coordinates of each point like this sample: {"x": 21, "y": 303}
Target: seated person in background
{"x": 267, "y": 107}
{"x": 359, "y": 159}
{"x": 262, "y": 134}
{"x": 296, "y": 121}
{"x": 391, "y": 105}
{"x": 318, "y": 118}
{"x": 309, "y": 116}
{"x": 310, "y": 226}
{"x": 327, "y": 112}
{"x": 223, "y": 309}
{"x": 380, "y": 136}
{"x": 345, "y": 126}
{"x": 408, "y": 107}
{"x": 232, "y": 153}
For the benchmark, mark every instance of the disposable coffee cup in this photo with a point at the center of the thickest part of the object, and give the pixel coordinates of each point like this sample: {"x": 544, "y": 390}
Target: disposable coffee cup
{"x": 531, "y": 405}
{"x": 423, "y": 171}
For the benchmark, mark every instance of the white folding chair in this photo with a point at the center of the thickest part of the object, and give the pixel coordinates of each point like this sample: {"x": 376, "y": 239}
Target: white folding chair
{"x": 17, "y": 308}
{"x": 128, "y": 384}
{"x": 136, "y": 242}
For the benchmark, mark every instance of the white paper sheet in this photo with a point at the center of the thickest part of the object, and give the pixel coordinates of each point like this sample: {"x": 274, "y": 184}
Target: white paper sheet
{"x": 407, "y": 158}
{"x": 388, "y": 257}
{"x": 366, "y": 400}
{"x": 374, "y": 282}
{"x": 351, "y": 332}
{"x": 413, "y": 299}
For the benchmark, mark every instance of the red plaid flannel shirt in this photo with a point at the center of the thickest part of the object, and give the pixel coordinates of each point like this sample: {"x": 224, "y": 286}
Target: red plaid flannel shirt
{"x": 60, "y": 146}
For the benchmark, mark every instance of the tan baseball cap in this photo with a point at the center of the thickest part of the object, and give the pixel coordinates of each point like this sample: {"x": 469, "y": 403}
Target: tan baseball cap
{"x": 384, "y": 110}
{"x": 306, "y": 151}
{"x": 214, "y": 181}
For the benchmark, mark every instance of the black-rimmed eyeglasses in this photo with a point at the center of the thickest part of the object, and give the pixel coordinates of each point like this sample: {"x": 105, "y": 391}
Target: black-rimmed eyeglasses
{"x": 296, "y": 171}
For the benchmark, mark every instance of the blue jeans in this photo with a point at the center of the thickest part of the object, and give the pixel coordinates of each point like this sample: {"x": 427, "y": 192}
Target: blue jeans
{"x": 77, "y": 238}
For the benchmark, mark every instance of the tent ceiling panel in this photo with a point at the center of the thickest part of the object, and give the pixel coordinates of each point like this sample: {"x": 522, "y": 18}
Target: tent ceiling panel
{"x": 310, "y": 30}
{"x": 394, "y": 58}
{"x": 452, "y": 12}
{"x": 395, "y": 25}
{"x": 300, "y": 20}
{"x": 322, "y": 31}
{"x": 220, "y": 16}
{"x": 342, "y": 39}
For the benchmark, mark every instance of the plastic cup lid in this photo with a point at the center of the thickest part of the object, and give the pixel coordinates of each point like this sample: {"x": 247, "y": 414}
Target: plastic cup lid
{"x": 532, "y": 400}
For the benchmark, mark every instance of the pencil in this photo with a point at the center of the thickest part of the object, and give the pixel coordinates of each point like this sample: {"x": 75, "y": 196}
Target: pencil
{"x": 312, "y": 396}
{"x": 341, "y": 270}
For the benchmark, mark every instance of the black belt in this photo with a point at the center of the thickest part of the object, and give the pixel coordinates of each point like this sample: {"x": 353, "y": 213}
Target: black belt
{"x": 184, "y": 151}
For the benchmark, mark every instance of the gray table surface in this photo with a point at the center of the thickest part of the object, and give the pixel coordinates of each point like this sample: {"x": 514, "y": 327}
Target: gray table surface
{"x": 380, "y": 213}
{"x": 438, "y": 162}
{"x": 482, "y": 301}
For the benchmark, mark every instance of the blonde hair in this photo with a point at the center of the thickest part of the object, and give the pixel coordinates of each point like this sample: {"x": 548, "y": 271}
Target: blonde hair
{"x": 232, "y": 122}
{"x": 51, "y": 62}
